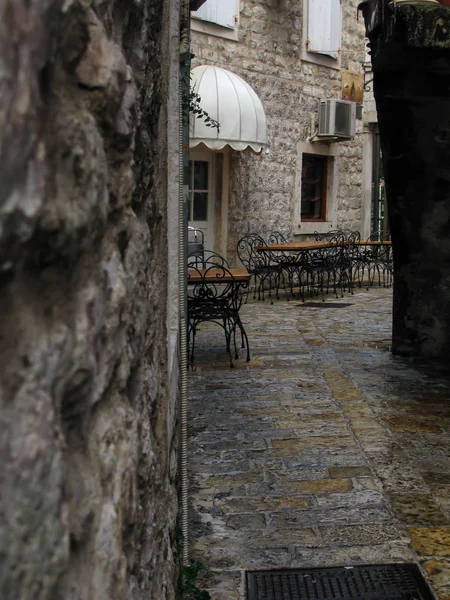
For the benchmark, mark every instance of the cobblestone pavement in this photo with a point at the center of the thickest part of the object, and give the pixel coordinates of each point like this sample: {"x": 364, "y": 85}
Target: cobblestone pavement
{"x": 323, "y": 450}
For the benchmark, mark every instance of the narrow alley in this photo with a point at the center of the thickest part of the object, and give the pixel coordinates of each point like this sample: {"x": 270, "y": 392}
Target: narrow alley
{"x": 324, "y": 450}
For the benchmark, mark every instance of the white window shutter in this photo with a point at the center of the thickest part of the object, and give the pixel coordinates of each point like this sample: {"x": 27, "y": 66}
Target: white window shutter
{"x": 221, "y": 12}
{"x": 335, "y": 34}
{"x": 324, "y": 26}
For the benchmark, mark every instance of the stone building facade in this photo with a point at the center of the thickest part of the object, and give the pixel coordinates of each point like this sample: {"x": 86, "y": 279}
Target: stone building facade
{"x": 88, "y": 315}
{"x": 268, "y": 47}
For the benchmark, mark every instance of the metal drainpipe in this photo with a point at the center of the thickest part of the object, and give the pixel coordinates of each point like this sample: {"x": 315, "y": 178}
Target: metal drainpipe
{"x": 184, "y": 143}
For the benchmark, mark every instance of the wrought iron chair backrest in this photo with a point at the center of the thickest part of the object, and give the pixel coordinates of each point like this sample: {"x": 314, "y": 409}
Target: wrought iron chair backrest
{"x": 381, "y": 252}
{"x": 345, "y": 235}
{"x": 215, "y": 258}
{"x": 275, "y": 256}
{"x": 377, "y": 261}
{"x": 276, "y": 237}
{"x": 252, "y": 260}
{"x": 346, "y": 245}
{"x": 353, "y": 237}
{"x": 336, "y": 256}
{"x": 328, "y": 256}
{"x": 208, "y": 258}
{"x": 216, "y": 293}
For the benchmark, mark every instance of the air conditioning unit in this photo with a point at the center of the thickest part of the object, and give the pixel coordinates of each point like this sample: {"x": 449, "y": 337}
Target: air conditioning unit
{"x": 337, "y": 118}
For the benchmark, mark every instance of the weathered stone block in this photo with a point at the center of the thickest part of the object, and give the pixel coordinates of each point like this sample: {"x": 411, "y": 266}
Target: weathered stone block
{"x": 87, "y": 428}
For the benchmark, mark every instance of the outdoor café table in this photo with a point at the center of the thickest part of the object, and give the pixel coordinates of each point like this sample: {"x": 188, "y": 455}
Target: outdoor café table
{"x": 321, "y": 263}
{"x": 293, "y": 246}
{"x": 292, "y": 252}
{"x": 314, "y": 245}
{"x": 298, "y": 248}
{"x": 215, "y": 294}
{"x": 305, "y": 261}
{"x": 374, "y": 243}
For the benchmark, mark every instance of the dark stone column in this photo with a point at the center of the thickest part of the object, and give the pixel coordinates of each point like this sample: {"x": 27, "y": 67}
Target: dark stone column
{"x": 411, "y": 64}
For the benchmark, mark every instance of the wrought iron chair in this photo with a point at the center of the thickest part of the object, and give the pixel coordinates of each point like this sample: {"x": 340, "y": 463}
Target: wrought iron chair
{"x": 276, "y": 237}
{"x": 264, "y": 272}
{"x": 347, "y": 256}
{"x": 348, "y": 260}
{"x": 292, "y": 272}
{"x": 321, "y": 270}
{"x": 282, "y": 264}
{"x": 215, "y": 295}
{"x": 377, "y": 261}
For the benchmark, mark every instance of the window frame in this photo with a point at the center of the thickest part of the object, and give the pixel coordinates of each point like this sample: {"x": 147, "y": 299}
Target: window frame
{"x": 207, "y": 226}
{"x": 301, "y": 226}
{"x": 318, "y": 58}
{"x": 193, "y": 189}
{"x": 324, "y": 192}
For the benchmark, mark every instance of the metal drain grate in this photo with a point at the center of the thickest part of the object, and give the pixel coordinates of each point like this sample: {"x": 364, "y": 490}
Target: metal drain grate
{"x": 365, "y": 582}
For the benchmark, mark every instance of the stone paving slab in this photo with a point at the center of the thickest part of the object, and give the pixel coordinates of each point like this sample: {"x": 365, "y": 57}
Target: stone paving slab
{"x": 324, "y": 450}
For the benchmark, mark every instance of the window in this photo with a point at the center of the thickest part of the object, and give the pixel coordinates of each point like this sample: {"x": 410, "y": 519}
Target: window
{"x": 316, "y": 184}
{"x": 220, "y": 12}
{"x": 198, "y": 190}
{"x": 314, "y": 188}
{"x": 322, "y": 31}
{"x": 217, "y": 17}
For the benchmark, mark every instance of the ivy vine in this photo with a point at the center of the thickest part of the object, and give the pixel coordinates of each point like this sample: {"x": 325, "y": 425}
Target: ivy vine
{"x": 191, "y": 105}
{"x": 196, "y": 109}
{"x": 190, "y": 590}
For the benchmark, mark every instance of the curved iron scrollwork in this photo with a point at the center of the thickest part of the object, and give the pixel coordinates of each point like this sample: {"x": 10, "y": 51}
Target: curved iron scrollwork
{"x": 367, "y": 85}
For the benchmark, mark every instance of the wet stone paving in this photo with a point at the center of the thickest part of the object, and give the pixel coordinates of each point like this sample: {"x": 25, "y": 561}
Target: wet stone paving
{"x": 323, "y": 450}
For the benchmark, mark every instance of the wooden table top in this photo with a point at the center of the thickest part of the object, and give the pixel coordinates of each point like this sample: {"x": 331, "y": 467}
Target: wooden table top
{"x": 218, "y": 275}
{"x": 315, "y": 245}
{"x": 292, "y": 246}
{"x": 375, "y": 243}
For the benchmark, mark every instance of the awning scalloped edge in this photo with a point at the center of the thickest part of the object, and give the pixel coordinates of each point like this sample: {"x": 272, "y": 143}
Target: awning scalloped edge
{"x": 220, "y": 144}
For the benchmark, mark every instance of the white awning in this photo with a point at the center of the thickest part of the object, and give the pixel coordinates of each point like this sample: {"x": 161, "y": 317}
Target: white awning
{"x": 232, "y": 102}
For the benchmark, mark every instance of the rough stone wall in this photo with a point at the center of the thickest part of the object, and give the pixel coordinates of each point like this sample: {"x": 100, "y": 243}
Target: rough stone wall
{"x": 88, "y": 461}
{"x": 268, "y": 57}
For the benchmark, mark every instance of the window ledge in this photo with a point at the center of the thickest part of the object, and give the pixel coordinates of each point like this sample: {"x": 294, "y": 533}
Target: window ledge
{"x": 322, "y": 60}
{"x": 213, "y": 29}
{"x": 309, "y": 227}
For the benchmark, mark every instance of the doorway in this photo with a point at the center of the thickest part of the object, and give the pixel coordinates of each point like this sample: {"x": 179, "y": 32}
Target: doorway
{"x": 201, "y": 195}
